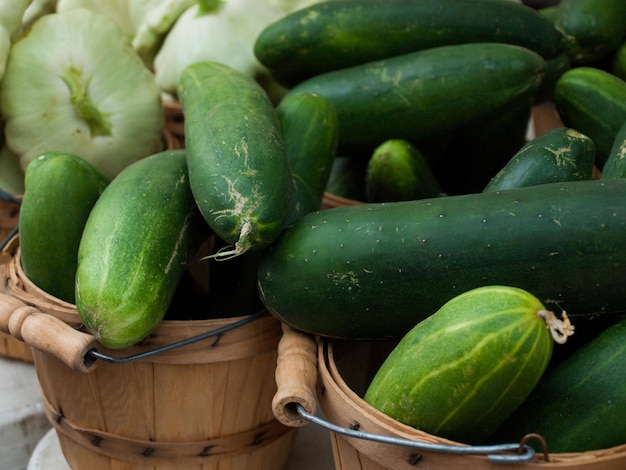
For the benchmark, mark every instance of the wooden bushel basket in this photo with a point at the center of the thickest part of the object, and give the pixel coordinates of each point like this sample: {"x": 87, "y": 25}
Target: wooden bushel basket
{"x": 9, "y": 217}
{"x": 340, "y": 371}
{"x": 204, "y": 406}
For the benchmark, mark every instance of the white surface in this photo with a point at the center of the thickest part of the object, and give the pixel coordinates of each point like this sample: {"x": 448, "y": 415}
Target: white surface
{"x": 311, "y": 451}
{"x": 48, "y": 455}
{"x": 22, "y": 420}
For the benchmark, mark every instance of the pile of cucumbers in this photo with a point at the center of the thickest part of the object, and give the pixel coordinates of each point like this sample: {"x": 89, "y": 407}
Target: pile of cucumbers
{"x": 432, "y": 109}
{"x": 544, "y": 215}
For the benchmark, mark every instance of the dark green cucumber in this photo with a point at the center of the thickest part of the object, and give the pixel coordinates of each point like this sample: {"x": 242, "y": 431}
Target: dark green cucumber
{"x": 595, "y": 28}
{"x": 238, "y": 168}
{"x": 338, "y": 34}
{"x": 593, "y": 102}
{"x": 615, "y": 166}
{"x": 427, "y": 93}
{"x": 134, "y": 249}
{"x": 561, "y": 154}
{"x": 579, "y": 405}
{"x": 461, "y": 372}
{"x": 310, "y": 131}
{"x": 398, "y": 171}
{"x": 61, "y": 190}
{"x": 375, "y": 270}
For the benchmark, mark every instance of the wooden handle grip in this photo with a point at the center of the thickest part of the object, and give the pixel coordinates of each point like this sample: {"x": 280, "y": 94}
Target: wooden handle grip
{"x": 46, "y": 333}
{"x": 296, "y": 375}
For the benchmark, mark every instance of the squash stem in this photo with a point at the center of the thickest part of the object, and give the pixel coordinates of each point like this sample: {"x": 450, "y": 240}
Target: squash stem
{"x": 87, "y": 111}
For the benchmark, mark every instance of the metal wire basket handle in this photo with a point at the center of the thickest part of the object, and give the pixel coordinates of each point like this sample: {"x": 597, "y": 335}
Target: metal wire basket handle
{"x": 294, "y": 405}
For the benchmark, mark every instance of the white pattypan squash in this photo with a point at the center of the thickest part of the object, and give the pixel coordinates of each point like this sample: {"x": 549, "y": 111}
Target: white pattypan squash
{"x": 225, "y": 34}
{"x": 75, "y": 84}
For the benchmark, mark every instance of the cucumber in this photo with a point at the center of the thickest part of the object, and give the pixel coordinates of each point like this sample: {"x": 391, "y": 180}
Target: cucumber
{"x": 134, "y": 249}
{"x": 561, "y": 154}
{"x": 427, "y": 93}
{"x": 310, "y": 131}
{"x": 593, "y": 102}
{"x": 398, "y": 171}
{"x": 615, "y": 166}
{"x": 238, "y": 168}
{"x": 595, "y": 28}
{"x": 579, "y": 405}
{"x": 338, "y": 34}
{"x": 373, "y": 271}
{"x": 61, "y": 190}
{"x": 462, "y": 371}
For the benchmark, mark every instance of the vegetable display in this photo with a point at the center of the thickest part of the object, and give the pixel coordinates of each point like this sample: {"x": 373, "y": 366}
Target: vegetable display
{"x": 482, "y": 156}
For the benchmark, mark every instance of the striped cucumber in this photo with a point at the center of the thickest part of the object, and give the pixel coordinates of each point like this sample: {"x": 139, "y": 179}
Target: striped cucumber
{"x": 561, "y": 154}
{"x": 310, "y": 131}
{"x": 238, "y": 168}
{"x": 462, "y": 371}
{"x": 398, "y": 171}
{"x": 61, "y": 190}
{"x": 579, "y": 405}
{"x": 427, "y": 93}
{"x": 372, "y": 271}
{"x": 134, "y": 249}
{"x": 593, "y": 102}
{"x": 339, "y": 34}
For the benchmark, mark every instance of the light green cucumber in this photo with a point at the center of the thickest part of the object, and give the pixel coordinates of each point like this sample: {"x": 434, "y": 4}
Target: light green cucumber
{"x": 398, "y": 171}
{"x": 238, "y": 168}
{"x": 61, "y": 190}
{"x": 462, "y": 371}
{"x": 134, "y": 249}
{"x": 561, "y": 154}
